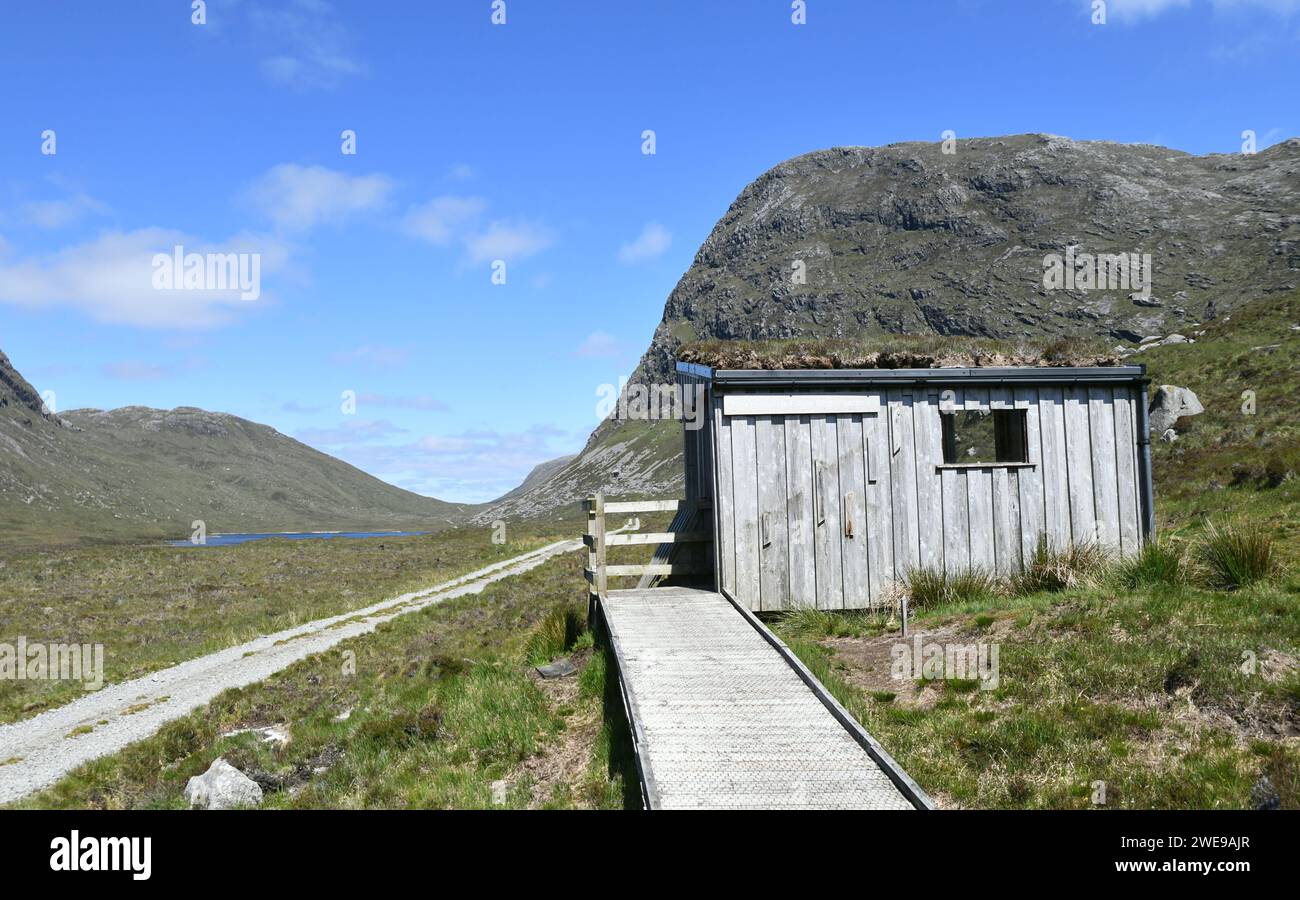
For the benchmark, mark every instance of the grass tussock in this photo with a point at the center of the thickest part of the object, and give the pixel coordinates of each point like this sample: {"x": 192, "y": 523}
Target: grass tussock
{"x": 927, "y": 588}
{"x": 558, "y": 632}
{"x": 1236, "y": 556}
{"x": 1161, "y": 563}
{"x": 818, "y": 624}
{"x": 1052, "y": 569}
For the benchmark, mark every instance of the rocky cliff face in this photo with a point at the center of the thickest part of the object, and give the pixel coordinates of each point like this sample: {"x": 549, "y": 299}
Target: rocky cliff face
{"x": 908, "y": 239}
{"x": 18, "y": 399}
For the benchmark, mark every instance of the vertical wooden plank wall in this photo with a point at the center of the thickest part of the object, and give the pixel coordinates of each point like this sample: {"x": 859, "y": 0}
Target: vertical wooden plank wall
{"x": 1006, "y": 501}
{"x": 1029, "y": 482}
{"x": 880, "y": 502}
{"x": 773, "y": 546}
{"x": 902, "y": 477}
{"x": 979, "y": 497}
{"x": 929, "y": 484}
{"x": 826, "y": 513}
{"x": 724, "y": 509}
{"x": 744, "y": 498}
{"x": 828, "y": 510}
{"x": 799, "y": 510}
{"x": 854, "y": 527}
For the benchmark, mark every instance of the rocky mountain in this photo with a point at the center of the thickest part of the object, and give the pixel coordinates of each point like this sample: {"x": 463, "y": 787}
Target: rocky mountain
{"x": 908, "y": 239}
{"x": 148, "y": 473}
{"x": 540, "y": 474}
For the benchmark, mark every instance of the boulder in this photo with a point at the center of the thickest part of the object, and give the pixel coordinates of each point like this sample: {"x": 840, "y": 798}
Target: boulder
{"x": 1170, "y": 404}
{"x": 561, "y": 668}
{"x": 1264, "y": 796}
{"x": 222, "y": 786}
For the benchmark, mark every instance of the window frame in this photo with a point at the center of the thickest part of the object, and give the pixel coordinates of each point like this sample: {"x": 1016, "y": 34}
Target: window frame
{"x": 1010, "y": 428}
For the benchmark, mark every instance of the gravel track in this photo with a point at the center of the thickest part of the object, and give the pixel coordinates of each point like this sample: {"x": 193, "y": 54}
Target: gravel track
{"x": 45, "y": 748}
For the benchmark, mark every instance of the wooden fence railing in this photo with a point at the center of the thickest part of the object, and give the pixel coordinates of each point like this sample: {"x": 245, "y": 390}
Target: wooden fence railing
{"x": 598, "y": 539}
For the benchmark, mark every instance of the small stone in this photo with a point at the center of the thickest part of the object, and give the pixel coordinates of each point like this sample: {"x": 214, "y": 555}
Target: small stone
{"x": 499, "y": 792}
{"x": 222, "y": 786}
{"x": 1264, "y": 796}
{"x": 271, "y": 734}
{"x": 561, "y": 668}
{"x": 1169, "y": 436}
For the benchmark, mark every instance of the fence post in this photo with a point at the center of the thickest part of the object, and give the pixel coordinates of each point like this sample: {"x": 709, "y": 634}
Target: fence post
{"x": 595, "y": 552}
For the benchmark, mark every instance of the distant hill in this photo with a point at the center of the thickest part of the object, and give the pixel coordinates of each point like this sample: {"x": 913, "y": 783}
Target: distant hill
{"x": 147, "y": 473}
{"x": 540, "y": 474}
{"x": 906, "y": 239}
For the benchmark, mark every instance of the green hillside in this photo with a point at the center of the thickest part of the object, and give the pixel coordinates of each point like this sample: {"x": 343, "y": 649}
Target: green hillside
{"x": 139, "y": 473}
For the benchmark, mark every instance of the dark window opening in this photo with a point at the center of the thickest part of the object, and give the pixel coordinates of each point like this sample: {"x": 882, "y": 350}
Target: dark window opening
{"x": 982, "y": 436}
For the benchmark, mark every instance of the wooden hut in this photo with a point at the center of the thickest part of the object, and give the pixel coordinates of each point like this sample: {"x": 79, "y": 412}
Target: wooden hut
{"x": 828, "y": 485}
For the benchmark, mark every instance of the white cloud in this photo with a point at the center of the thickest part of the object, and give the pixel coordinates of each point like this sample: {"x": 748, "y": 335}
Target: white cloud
{"x": 439, "y": 220}
{"x": 654, "y": 240}
{"x": 599, "y": 345}
{"x": 134, "y": 370}
{"x": 1133, "y": 10}
{"x": 310, "y": 45}
{"x": 298, "y": 197}
{"x": 511, "y": 240}
{"x": 1138, "y": 10}
{"x": 110, "y": 278}
{"x": 354, "y": 431}
{"x": 138, "y": 370}
{"x": 422, "y": 402}
{"x": 1284, "y": 7}
{"x": 378, "y": 356}
{"x": 52, "y": 214}
{"x": 469, "y": 467}
{"x": 444, "y": 220}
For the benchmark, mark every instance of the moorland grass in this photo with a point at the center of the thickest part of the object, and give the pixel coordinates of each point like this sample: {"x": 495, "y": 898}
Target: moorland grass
{"x": 153, "y": 606}
{"x": 1236, "y": 556}
{"x": 1130, "y": 687}
{"x": 442, "y": 705}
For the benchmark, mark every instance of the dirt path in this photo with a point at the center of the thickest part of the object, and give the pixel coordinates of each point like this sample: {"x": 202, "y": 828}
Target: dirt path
{"x": 36, "y": 752}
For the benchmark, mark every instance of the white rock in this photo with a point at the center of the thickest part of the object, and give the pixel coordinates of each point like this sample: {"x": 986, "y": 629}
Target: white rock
{"x": 271, "y": 734}
{"x": 1170, "y": 404}
{"x": 222, "y": 786}
{"x": 499, "y": 792}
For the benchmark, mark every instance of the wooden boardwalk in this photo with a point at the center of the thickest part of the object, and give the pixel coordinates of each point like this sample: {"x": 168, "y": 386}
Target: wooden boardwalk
{"x": 724, "y": 717}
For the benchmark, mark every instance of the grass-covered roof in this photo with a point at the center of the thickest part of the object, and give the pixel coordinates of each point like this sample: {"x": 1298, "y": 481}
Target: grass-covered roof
{"x": 896, "y": 351}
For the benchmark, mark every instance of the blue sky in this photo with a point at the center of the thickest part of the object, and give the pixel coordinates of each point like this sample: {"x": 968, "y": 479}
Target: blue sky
{"x": 518, "y": 142}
